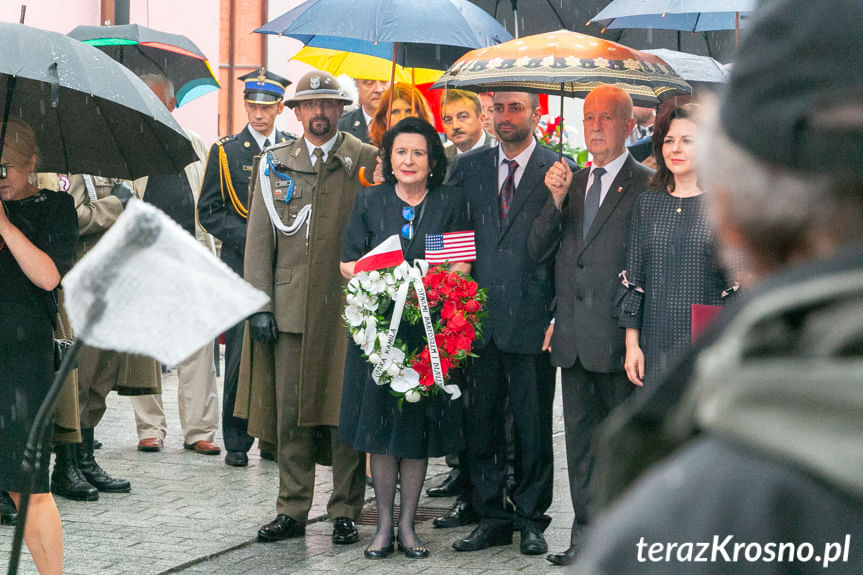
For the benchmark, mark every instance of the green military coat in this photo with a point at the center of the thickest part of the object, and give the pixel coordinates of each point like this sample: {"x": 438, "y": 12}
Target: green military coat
{"x": 301, "y": 275}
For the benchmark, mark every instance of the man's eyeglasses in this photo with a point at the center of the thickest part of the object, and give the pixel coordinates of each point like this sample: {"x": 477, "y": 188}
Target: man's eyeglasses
{"x": 408, "y": 213}
{"x": 4, "y": 171}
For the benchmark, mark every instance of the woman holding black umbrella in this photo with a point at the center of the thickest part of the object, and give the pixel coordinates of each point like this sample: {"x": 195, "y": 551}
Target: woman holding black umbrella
{"x": 38, "y": 235}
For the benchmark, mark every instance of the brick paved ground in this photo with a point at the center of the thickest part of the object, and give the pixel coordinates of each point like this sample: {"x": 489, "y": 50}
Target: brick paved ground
{"x": 191, "y": 514}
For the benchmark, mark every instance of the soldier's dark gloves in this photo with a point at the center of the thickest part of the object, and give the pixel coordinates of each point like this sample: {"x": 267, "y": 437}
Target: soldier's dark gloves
{"x": 262, "y": 327}
{"x": 123, "y": 191}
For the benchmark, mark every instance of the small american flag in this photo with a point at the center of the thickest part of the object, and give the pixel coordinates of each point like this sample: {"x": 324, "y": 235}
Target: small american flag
{"x": 450, "y": 247}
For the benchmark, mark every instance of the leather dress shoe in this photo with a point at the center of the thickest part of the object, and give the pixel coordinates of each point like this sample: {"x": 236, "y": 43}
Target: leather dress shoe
{"x": 150, "y": 444}
{"x": 448, "y": 488}
{"x": 236, "y": 459}
{"x": 532, "y": 541}
{"x": 461, "y": 513}
{"x": 203, "y": 447}
{"x": 566, "y": 558}
{"x": 282, "y": 527}
{"x": 269, "y": 455}
{"x": 482, "y": 537}
{"x": 345, "y": 531}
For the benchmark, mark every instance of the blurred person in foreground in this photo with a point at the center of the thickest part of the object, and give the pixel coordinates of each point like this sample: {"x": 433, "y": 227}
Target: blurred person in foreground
{"x": 411, "y": 204}
{"x": 758, "y": 464}
{"x": 369, "y": 94}
{"x": 407, "y": 101}
{"x": 38, "y": 235}
{"x": 673, "y": 260}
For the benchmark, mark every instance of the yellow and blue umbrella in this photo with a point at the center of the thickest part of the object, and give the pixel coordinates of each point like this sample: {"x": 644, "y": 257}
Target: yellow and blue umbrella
{"x": 363, "y": 66}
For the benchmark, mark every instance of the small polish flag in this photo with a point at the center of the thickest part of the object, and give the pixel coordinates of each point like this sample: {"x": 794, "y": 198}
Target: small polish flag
{"x": 387, "y": 254}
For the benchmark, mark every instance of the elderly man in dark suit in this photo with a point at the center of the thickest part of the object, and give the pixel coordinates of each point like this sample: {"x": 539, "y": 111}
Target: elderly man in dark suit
{"x": 506, "y": 193}
{"x": 584, "y": 230}
{"x": 357, "y": 122}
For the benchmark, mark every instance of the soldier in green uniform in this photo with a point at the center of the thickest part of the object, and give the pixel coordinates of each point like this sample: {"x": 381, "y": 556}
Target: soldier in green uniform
{"x": 303, "y": 193}
{"x": 99, "y": 202}
{"x": 223, "y": 210}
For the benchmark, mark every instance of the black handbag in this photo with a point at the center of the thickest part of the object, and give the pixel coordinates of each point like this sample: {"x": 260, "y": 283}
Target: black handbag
{"x": 62, "y": 345}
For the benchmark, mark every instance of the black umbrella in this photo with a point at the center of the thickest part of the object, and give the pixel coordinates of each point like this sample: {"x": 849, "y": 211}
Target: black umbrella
{"x": 143, "y": 49}
{"x": 538, "y": 16}
{"x": 90, "y": 114}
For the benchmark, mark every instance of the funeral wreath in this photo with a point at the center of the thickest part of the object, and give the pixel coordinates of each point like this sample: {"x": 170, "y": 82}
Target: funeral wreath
{"x": 447, "y": 303}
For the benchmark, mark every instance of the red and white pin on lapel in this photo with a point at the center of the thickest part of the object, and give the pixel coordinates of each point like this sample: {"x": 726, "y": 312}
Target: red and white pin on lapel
{"x": 619, "y": 189}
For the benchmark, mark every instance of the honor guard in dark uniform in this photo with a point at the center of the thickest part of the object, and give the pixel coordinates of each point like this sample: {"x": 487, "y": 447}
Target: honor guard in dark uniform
{"x": 222, "y": 211}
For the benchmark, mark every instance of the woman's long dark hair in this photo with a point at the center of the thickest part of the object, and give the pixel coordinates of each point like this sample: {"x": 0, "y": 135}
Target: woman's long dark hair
{"x": 437, "y": 156}
{"x": 663, "y": 179}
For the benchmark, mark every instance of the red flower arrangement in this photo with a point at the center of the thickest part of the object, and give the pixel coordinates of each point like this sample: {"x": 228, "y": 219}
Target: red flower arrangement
{"x": 458, "y": 304}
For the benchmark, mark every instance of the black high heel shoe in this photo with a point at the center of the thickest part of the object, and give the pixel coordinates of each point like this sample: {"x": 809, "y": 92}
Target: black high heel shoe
{"x": 420, "y": 552}
{"x": 380, "y": 552}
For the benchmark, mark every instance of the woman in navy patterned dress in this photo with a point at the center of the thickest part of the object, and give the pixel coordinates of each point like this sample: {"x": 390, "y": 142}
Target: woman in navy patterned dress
{"x": 673, "y": 261}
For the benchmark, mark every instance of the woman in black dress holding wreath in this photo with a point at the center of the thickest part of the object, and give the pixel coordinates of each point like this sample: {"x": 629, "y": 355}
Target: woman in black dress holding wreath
{"x": 673, "y": 261}
{"x": 412, "y": 203}
{"x": 38, "y": 234}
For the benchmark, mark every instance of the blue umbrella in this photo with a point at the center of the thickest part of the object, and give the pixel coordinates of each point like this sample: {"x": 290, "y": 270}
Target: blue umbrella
{"x": 683, "y": 15}
{"x": 420, "y": 33}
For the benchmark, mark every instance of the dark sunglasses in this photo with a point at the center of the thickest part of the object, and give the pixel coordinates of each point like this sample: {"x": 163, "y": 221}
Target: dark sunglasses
{"x": 408, "y": 229}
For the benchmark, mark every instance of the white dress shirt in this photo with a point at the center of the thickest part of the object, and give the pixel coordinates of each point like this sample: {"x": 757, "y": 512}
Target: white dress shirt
{"x": 612, "y": 168}
{"x": 523, "y": 158}
{"x": 326, "y": 147}
{"x": 261, "y": 138}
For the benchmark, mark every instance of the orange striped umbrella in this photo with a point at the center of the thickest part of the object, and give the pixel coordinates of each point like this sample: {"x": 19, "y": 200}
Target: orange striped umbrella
{"x": 566, "y": 63}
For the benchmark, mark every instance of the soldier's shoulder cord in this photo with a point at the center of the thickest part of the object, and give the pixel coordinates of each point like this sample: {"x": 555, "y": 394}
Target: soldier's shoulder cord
{"x": 225, "y": 182}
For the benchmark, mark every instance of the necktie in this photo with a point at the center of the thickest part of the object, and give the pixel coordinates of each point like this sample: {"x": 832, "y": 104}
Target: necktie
{"x": 319, "y": 156}
{"x": 266, "y": 143}
{"x": 591, "y": 200}
{"x": 507, "y": 189}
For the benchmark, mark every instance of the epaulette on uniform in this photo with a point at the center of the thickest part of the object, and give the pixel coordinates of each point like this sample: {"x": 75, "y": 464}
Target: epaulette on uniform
{"x": 227, "y": 139}
{"x": 287, "y": 142}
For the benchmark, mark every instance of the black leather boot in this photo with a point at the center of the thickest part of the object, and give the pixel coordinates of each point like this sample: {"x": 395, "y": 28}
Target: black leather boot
{"x": 66, "y": 479}
{"x": 91, "y": 470}
{"x": 8, "y": 511}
